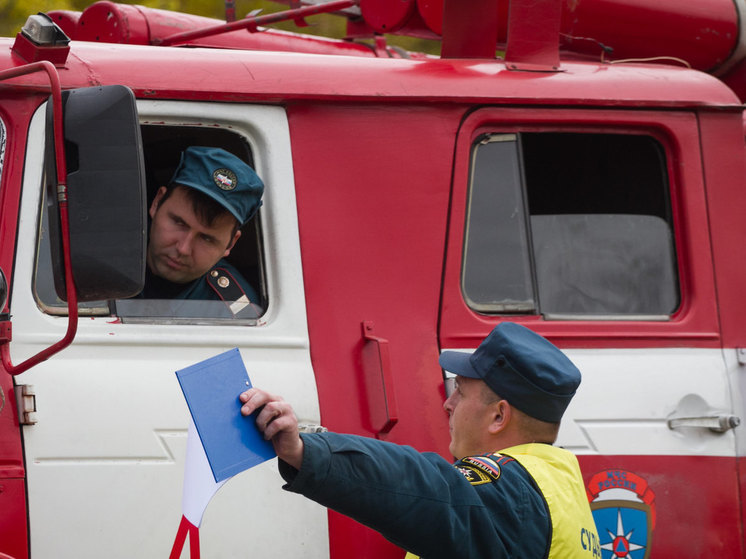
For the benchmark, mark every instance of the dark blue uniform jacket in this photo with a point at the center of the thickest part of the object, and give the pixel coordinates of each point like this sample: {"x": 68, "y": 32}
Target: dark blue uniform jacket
{"x": 199, "y": 289}
{"x": 421, "y": 502}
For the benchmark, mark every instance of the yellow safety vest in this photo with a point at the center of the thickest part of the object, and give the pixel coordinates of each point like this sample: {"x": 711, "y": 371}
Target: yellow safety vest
{"x": 557, "y": 474}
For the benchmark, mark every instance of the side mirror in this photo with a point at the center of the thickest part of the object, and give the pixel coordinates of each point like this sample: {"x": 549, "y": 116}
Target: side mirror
{"x": 105, "y": 194}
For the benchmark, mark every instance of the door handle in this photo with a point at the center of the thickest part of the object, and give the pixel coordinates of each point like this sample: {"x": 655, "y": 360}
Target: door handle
{"x": 379, "y": 381}
{"x": 717, "y": 423}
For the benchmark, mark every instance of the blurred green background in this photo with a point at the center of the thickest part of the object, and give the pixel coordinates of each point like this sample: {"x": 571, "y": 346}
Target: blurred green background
{"x": 13, "y": 14}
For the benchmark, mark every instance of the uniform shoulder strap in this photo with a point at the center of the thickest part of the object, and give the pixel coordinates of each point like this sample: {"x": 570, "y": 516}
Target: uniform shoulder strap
{"x": 226, "y": 286}
{"x": 232, "y": 293}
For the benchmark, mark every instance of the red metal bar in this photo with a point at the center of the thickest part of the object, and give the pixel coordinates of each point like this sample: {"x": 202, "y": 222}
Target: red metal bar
{"x": 470, "y": 29}
{"x": 533, "y": 35}
{"x": 251, "y": 23}
{"x": 230, "y": 10}
{"x": 59, "y": 154}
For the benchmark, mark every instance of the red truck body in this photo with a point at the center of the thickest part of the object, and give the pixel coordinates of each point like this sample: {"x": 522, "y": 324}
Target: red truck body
{"x": 383, "y": 147}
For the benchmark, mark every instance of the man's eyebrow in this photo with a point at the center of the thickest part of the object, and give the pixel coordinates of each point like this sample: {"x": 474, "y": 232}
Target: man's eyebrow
{"x": 175, "y": 216}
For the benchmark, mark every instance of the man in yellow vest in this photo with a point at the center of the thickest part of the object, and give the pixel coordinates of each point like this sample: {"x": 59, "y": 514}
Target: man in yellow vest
{"x": 510, "y": 493}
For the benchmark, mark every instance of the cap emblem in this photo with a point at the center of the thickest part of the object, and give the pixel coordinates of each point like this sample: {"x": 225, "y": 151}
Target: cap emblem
{"x": 225, "y": 179}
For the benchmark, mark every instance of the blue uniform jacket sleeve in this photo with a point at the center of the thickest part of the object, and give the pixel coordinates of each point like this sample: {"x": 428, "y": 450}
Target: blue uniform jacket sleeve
{"x": 419, "y": 501}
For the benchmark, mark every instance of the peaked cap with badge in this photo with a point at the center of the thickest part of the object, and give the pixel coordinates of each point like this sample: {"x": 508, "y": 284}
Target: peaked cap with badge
{"x": 521, "y": 366}
{"x": 223, "y": 177}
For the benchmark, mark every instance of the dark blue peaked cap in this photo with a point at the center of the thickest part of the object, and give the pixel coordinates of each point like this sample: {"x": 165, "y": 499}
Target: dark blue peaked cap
{"x": 524, "y": 368}
{"x": 223, "y": 177}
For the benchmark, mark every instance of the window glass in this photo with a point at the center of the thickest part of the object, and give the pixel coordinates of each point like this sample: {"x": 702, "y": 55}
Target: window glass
{"x": 2, "y": 146}
{"x": 162, "y": 147}
{"x": 570, "y": 225}
{"x": 497, "y": 226}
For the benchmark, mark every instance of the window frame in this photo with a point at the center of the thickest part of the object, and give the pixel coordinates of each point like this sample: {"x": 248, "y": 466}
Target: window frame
{"x": 678, "y": 133}
{"x": 136, "y": 310}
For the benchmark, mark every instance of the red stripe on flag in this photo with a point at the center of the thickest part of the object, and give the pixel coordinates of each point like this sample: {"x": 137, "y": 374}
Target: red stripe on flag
{"x": 186, "y": 528}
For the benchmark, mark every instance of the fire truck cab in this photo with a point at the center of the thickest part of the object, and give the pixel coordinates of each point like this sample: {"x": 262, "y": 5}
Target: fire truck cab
{"x": 412, "y": 202}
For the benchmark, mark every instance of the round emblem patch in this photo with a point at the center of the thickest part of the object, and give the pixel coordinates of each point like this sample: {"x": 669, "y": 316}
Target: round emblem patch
{"x": 225, "y": 179}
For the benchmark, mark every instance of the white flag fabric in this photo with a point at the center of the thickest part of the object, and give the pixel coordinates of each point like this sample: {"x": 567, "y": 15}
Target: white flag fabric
{"x": 199, "y": 483}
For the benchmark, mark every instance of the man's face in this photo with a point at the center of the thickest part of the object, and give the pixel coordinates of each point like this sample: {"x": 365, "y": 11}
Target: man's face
{"x": 181, "y": 248}
{"x": 469, "y": 415}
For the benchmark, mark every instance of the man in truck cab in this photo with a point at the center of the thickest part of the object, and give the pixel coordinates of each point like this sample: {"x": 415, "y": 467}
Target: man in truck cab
{"x": 511, "y": 493}
{"x": 195, "y": 222}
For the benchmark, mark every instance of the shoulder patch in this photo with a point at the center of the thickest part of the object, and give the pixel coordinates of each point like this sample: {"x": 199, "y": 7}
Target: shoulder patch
{"x": 482, "y": 469}
{"x": 473, "y": 475}
{"x": 485, "y": 464}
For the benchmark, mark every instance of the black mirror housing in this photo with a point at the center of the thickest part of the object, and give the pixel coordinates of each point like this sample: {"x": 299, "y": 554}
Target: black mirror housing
{"x": 105, "y": 192}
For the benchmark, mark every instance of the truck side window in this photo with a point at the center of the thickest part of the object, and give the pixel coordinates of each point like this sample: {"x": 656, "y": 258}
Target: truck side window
{"x": 162, "y": 146}
{"x": 570, "y": 225}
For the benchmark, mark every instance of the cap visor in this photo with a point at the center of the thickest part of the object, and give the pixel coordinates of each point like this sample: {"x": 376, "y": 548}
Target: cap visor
{"x": 458, "y": 362}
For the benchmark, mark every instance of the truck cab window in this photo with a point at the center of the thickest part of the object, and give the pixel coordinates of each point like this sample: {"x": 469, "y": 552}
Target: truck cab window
{"x": 570, "y": 225}
{"x": 163, "y": 147}
{"x": 2, "y": 146}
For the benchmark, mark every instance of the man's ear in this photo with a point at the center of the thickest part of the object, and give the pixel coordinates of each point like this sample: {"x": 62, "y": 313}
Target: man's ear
{"x": 501, "y": 415}
{"x": 156, "y": 201}
{"x": 232, "y": 243}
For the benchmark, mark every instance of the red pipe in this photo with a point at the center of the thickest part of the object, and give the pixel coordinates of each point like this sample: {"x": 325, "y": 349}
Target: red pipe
{"x": 702, "y": 33}
{"x": 59, "y": 154}
{"x": 110, "y": 22}
{"x": 251, "y": 23}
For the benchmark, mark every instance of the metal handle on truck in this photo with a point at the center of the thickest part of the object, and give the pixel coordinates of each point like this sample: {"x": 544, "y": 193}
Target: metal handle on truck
{"x": 379, "y": 381}
{"x": 717, "y": 423}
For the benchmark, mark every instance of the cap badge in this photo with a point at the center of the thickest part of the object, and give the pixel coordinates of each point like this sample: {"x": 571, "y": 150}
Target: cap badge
{"x": 225, "y": 179}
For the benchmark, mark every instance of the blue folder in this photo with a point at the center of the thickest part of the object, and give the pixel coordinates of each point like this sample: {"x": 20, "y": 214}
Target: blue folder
{"x": 231, "y": 441}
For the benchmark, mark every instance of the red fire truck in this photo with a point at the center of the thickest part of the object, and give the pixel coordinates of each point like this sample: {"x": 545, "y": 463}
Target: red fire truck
{"x": 575, "y": 166}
